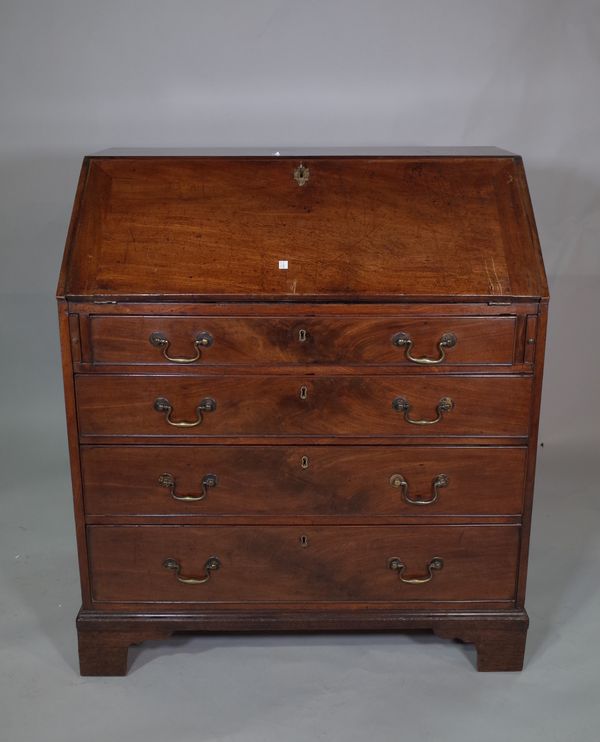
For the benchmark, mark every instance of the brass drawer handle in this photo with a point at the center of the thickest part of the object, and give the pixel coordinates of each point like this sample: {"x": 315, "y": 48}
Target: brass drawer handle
{"x": 203, "y": 340}
{"x": 403, "y": 340}
{"x": 397, "y": 565}
{"x": 168, "y": 480}
{"x": 397, "y": 480}
{"x": 403, "y": 405}
{"x": 161, "y": 404}
{"x": 212, "y": 564}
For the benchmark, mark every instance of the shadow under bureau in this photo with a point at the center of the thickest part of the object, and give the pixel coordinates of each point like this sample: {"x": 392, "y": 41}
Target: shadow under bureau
{"x": 302, "y": 393}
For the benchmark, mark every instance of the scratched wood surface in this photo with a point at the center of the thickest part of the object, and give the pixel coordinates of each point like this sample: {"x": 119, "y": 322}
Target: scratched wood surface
{"x": 359, "y": 229}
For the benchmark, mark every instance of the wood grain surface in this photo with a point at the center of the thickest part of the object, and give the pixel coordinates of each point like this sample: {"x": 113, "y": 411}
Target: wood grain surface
{"x": 359, "y": 229}
{"x": 292, "y": 340}
{"x": 273, "y": 406}
{"x": 271, "y": 563}
{"x": 309, "y": 481}
{"x": 302, "y": 289}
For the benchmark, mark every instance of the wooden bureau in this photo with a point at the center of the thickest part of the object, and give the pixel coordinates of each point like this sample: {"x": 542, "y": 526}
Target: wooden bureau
{"x": 302, "y": 393}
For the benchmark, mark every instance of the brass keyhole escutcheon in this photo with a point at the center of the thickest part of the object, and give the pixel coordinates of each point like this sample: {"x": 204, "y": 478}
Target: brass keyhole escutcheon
{"x": 302, "y": 336}
{"x": 304, "y": 462}
{"x": 303, "y": 392}
{"x": 301, "y": 175}
{"x": 303, "y": 541}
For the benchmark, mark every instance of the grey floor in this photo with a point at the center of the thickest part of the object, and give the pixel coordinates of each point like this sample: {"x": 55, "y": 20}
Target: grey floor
{"x": 317, "y": 687}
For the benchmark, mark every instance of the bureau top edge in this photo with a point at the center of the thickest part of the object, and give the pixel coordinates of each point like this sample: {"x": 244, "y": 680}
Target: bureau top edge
{"x": 284, "y": 151}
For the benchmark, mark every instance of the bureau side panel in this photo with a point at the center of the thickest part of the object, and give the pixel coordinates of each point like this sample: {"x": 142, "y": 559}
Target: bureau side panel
{"x": 73, "y": 224}
{"x": 73, "y": 442}
{"x": 540, "y": 347}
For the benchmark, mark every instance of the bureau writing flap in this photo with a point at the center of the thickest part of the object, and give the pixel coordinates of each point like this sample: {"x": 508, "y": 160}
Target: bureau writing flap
{"x": 295, "y": 228}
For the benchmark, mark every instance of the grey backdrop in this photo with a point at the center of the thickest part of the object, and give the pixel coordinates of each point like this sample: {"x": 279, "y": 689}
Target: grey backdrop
{"x": 77, "y": 76}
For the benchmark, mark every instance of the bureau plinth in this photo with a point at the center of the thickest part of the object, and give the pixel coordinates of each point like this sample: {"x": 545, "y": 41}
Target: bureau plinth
{"x": 302, "y": 393}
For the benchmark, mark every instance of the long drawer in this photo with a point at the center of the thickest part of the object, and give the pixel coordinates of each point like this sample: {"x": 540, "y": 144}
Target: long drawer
{"x": 221, "y": 564}
{"x": 302, "y": 480}
{"x": 212, "y": 340}
{"x": 242, "y": 405}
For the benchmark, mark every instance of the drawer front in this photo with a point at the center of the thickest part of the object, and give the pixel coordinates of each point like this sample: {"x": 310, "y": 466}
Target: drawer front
{"x": 303, "y": 405}
{"x": 302, "y": 480}
{"x": 206, "y": 341}
{"x": 293, "y": 564}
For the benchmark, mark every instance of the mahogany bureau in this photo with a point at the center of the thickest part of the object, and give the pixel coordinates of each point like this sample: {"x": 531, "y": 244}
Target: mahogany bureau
{"x": 302, "y": 393}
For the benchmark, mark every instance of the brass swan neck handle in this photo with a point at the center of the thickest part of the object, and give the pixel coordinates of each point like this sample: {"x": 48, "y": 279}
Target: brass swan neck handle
{"x": 400, "y": 404}
{"x": 202, "y": 340}
{"x": 403, "y": 340}
{"x": 398, "y": 566}
{"x": 398, "y": 481}
{"x": 212, "y": 564}
{"x": 168, "y": 481}
{"x": 162, "y": 404}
